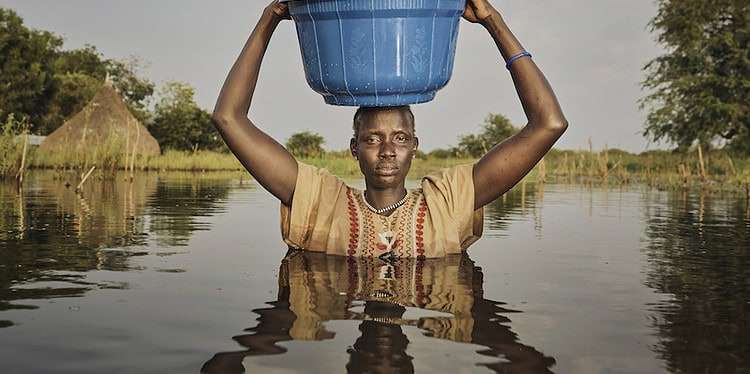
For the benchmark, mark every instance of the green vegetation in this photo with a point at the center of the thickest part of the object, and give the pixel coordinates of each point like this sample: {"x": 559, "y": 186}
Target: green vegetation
{"x": 700, "y": 89}
{"x": 495, "y": 129}
{"x": 305, "y": 144}
{"x": 45, "y": 85}
{"x": 660, "y": 169}
{"x": 11, "y": 149}
{"x": 178, "y": 122}
{"x": 111, "y": 157}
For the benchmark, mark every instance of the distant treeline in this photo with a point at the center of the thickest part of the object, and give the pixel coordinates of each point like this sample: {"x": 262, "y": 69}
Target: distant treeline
{"x": 43, "y": 84}
{"x": 496, "y": 128}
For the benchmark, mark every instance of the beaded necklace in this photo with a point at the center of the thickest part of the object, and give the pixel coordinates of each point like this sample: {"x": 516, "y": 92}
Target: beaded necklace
{"x": 385, "y": 209}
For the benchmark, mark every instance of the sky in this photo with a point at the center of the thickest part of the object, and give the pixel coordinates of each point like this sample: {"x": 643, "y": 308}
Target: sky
{"x": 591, "y": 51}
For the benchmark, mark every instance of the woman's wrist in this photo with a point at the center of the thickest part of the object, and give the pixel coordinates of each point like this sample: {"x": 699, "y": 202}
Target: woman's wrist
{"x": 504, "y": 38}
{"x": 267, "y": 23}
{"x": 271, "y": 17}
{"x": 493, "y": 18}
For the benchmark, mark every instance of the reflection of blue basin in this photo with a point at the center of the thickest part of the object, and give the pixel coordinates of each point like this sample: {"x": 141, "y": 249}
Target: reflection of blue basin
{"x": 377, "y": 52}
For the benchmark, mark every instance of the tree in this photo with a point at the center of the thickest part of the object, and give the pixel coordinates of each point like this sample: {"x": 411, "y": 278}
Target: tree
{"x": 495, "y": 129}
{"x": 442, "y": 153}
{"x": 179, "y": 123}
{"x": 305, "y": 144}
{"x": 700, "y": 89}
{"x": 79, "y": 74}
{"x": 27, "y": 78}
{"x": 72, "y": 92}
{"x": 135, "y": 90}
{"x": 42, "y": 82}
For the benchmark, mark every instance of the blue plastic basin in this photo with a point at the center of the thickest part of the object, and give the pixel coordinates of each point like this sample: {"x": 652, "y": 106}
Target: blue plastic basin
{"x": 377, "y": 52}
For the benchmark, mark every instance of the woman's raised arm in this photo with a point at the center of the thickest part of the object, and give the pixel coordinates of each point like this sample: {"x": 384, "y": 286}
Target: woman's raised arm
{"x": 267, "y": 160}
{"x": 509, "y": 161}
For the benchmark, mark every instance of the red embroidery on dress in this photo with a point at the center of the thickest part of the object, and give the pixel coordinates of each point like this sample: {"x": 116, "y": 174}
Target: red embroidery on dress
{"x": 405, "y": 225}
{"x": 419, "y": 228}
{"x": 353, "y": 224}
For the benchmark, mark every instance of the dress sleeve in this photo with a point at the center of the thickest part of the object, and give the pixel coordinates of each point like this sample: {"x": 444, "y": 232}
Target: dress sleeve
{"x": 451, "y": 193}
{"x": 312, "y": 209}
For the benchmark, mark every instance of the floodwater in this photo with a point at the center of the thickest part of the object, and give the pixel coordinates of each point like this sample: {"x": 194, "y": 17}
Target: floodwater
{"x": 182, "y": 273}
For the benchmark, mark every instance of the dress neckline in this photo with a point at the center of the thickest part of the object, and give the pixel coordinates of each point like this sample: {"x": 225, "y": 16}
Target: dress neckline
{"x": 360, "y": 198}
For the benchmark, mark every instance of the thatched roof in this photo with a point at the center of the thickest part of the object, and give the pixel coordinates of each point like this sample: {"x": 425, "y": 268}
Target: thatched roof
{"x": 106, "y": 118}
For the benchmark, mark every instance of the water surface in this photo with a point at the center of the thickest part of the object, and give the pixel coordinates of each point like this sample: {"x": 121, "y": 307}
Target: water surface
{"x": 186, "y": 272}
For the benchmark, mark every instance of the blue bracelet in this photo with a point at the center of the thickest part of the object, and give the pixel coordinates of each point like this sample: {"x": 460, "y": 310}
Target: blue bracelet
{"x": 516, "y": 57}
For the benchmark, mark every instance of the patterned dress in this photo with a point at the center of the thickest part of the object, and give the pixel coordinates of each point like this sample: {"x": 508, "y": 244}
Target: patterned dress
{"x": 328, "y": 216}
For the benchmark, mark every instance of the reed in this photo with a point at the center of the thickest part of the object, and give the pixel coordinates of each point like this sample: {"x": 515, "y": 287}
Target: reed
{"x": 662, "y": 169}
{"x": 22, "y": 168}
{"x": 85, "y": 177}
{"x": 105, "y": 156}
{"x": 190, "y": 161}
{"x": 666, "y": 169}
{"x": 12, "y": 153}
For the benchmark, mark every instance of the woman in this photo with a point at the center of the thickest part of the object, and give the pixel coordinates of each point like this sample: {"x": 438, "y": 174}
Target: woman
{"x": 321, "y": 213}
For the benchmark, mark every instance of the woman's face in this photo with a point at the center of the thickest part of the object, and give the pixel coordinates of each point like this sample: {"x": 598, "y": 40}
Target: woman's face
{"x": 385, "y": 145}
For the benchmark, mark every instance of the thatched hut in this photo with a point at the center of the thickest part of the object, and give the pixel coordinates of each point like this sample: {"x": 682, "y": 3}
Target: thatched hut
{"x": 106, "y": 118}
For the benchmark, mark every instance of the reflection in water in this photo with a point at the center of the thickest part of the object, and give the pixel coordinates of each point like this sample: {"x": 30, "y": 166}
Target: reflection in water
{"x": 524, "y": 199}
{"x": 176, "y": 206}
{"x": 315, "y": 289}
{"x": 698, "y": 248}
{"x": 49, "y": 233}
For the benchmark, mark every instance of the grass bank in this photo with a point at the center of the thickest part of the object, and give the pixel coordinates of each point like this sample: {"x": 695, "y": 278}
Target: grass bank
{"x": 660, "y": 169}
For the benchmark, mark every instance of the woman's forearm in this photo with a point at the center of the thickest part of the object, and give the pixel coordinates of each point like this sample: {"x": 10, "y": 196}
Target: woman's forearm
{"x": 510, "y": 160}
{"x": 536, "y": 95}
{"x": 267, "y": 160}
{"x": 239, "y": 87}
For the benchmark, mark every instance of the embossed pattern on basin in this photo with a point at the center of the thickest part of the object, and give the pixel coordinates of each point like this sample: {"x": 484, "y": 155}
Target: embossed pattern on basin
{"x": 377, "y": 52}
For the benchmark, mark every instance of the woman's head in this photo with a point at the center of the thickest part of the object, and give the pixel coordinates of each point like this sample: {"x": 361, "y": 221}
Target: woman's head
{"x": 384, "y": 143}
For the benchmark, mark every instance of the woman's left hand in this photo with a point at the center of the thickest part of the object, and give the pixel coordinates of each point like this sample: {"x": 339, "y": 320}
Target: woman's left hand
{"x": 477, "y": 11}
{"x": 279, "y": 10}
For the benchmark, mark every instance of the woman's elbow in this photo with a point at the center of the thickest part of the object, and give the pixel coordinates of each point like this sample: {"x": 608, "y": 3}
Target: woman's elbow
{"x": 558, "y": 126}
{"x": 222, "y": 118}
{"x": 555, "y": 123}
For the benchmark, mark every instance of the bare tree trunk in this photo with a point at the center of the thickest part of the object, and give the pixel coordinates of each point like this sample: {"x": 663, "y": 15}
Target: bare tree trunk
{"x": 21, "y": 169}
{"x": 704, "y": 176}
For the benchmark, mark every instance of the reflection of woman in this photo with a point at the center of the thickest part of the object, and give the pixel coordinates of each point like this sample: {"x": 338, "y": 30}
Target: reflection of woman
{"x": 315, "y": 288}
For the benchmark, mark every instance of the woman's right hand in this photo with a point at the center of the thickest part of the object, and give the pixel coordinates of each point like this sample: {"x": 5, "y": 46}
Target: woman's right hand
{"x": 278, "y": 10}
{"x": 477, "y": 11}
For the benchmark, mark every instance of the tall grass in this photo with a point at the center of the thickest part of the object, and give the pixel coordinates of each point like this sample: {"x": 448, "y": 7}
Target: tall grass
{"x": 661, "y": 169}
{"x": 655, "y": 168}
{"x": 109, "y": 155}
{"x": 191, "y": 161}
{"x": 11, "y": 149}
